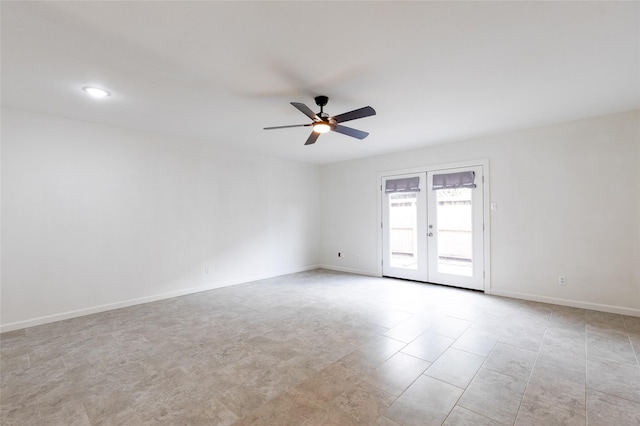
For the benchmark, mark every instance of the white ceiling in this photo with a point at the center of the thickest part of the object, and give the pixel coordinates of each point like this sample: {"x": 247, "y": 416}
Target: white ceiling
{"x": 218, "y": 72}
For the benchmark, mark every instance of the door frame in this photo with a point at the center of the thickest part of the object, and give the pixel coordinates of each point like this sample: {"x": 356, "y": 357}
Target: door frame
{"x": 486, "y": 211}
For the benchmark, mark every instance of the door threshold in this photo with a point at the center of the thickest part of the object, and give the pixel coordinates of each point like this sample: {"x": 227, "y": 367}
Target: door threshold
{"x": 430, "y": 283}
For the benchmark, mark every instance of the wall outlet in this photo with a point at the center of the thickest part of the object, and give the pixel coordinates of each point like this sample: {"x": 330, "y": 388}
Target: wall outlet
{"x": 358, "y": 258}
{"x": 562, "y": 280}
{"x": 206, "y": 271}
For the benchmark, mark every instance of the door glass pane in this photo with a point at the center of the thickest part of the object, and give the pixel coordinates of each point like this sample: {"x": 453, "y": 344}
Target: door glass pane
{"x": 455, "y": 223}
{"x": 403, "y": 230}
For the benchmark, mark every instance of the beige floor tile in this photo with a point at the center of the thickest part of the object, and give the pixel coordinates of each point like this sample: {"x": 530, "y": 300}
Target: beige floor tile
{"x": 429, "y": 346}
{"x": 242, "y": 399}
{"x": 388, "y": 318}
{"x": 605, "y": 319}
{"x": 494, "y": 395}
{"x": 635, "y": 342}
{"x": 523, "y": 337}
{"x": 568, "y": 315}
{"x": 622, "y": 380}
{"x": 610, "y": 348}
{"x": 397, "y": 373}
{"x": 324, "y": 347}
{"x": 490, "y": 322}
{"x": 409, "y": 329}
{"x": 557, "y": 385}
{"x": 463, "y": 311}
{"x": 450, "y": 326}
{"x": 455, "y": 367}
{"x": 291, "y": 408}
{"x": 362, "y": 405}
{"x": 327, "y": 384}
{"x": 535, "y": 413}
{"x": 24, "y": 412}
{"x": 70, "y": 413}
{"x": 605, "y": 324}
{"x": 477, "y": 342}
{"x": 384, "y": 421}
{"x": 606, "y": 410}
{"x": 114, "y": 407}
{"x": 14, "y": 364}
{"x": 331, "y": 417}
{"x": 460, "y": 416}
{"x": 511, "y": 360}
{"x": 378, "y": 350}
{"x": 566, "y": 348}
{"x": 632, "y": 324}
{"x": 427, "y": 402}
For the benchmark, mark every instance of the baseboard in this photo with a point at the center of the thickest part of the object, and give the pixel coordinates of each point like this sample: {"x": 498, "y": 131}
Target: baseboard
{"x": 569, "y": 302}
{"x": 349, "y": 270}
{"x": 525, "y": 296}
{"x": 138, "y": 301}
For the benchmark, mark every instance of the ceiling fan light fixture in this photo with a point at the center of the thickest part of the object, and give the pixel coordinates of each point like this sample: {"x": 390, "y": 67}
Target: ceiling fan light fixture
{"x": 96, "y": 92}
{"x": 321, "y": 127}
{"x": 323, "y": 122}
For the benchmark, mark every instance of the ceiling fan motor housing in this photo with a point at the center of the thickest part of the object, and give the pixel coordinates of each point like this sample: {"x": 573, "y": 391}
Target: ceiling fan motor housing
{"x": 321, "y": 100}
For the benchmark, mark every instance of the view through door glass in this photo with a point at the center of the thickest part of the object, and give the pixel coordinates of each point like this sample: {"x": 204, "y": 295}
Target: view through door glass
{"x": 403, "y": 230}
{"x": 455, "y": 227}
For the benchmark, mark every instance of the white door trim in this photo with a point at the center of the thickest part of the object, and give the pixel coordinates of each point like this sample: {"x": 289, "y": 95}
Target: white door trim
{"x": 486, "y": 207}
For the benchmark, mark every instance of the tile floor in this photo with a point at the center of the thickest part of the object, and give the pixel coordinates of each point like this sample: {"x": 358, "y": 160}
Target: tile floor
{"x": 326, "y": 348}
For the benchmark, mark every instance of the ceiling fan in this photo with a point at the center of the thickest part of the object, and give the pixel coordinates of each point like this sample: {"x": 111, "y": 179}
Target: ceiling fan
{"x": 323, "y": 122}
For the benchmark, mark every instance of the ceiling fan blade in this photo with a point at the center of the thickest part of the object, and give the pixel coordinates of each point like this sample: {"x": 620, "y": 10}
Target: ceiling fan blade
{"x": 356, "y": 113}
{"x": 313, "y": 137}
{"x": 354, "y": 133}
{"x": 286, "y": 127}
{"x": 305, "y": 110}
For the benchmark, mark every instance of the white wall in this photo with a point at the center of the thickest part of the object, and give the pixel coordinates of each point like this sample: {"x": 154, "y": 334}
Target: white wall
{"x": 568, "y": 204}
{"x": 95, "y": 217}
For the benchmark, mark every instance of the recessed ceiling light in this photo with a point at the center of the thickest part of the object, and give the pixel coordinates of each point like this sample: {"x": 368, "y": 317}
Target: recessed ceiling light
{"x": 95, "y": 92}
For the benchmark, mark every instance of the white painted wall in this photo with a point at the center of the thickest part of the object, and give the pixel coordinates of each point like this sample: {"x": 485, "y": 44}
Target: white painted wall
{"x": 568, "y": 204}
{"x": 95, "y": 217}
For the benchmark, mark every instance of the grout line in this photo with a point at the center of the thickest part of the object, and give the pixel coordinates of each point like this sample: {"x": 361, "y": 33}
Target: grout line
{"x": 586, "y": 368}
{"x": 474, "y": 375}
{"x": 531, "y": 373}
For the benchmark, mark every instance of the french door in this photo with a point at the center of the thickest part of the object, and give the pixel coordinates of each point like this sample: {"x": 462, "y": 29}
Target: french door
{"x": 403, "y": 226}
{"x": 432, "y": 227}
